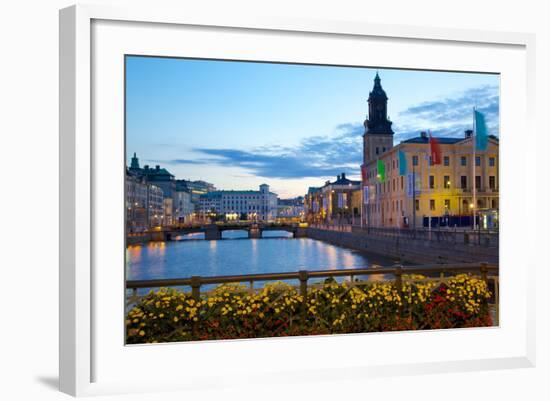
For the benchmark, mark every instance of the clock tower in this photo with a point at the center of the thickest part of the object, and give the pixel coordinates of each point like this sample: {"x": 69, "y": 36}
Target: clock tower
{"x": 378, "y": 136}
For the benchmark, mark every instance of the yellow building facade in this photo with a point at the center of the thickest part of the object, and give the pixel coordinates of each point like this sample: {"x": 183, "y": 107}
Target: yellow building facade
{"x": 444, "y": 193}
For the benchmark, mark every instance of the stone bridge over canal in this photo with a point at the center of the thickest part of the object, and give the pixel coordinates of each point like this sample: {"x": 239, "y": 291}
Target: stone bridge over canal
{"x": 214, "y": 231}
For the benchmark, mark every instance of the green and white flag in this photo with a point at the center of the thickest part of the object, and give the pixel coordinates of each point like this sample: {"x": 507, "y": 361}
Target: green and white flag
{"x": 480, "y": 131}
{"x": 381, "y": 171}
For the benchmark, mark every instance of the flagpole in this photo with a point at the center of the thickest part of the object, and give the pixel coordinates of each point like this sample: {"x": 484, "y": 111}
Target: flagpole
{"x": 414, "y": 199}
{"x": 363, "y": 182}
{"x": 362, "y": 201}
{"x": 474, "y": 170}
{"x": 430, "y": 158}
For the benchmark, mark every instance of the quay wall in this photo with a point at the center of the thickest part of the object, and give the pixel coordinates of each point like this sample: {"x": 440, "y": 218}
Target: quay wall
{"x": 418, "y": 251}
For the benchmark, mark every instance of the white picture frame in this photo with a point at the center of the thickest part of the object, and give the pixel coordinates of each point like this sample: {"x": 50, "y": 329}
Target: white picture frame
{"x": 80, "y": 344}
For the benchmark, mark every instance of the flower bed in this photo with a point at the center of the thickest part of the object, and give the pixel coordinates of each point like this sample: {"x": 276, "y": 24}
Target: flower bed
{"x": 232, "y": 311}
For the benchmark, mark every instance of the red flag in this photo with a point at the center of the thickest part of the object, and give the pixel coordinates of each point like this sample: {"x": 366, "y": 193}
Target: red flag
{"x": 435, "y": 150}
{"x": 364, "y": 173}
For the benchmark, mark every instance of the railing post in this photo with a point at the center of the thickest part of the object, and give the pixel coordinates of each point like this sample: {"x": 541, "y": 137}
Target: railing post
{"x": 196, "y": 287}
{"x": 483, "y": 269}
{"x": 399, "y": 285}
{"x": 303, "y": 276}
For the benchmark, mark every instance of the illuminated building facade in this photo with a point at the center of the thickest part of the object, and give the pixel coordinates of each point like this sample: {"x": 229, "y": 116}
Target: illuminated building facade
{"x": 337, "y": 199}
{"x": 236, "y": 205}
{"x": 144, "y": 204}
{"x": 443, "y": 193}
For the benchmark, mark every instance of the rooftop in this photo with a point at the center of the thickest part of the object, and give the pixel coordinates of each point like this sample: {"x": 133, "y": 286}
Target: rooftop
{"x": 342, "y": 180}
{"x": 216, "y": 194}
{"x": 423, "y": 138}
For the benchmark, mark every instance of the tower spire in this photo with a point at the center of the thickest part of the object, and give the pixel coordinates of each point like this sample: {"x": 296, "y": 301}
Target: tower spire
{"x": 378, "y": 122}
{"x": 134, "y": 163}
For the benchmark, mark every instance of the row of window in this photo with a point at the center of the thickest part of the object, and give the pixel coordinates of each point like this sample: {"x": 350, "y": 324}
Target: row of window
{"x": 463, "y": 161}
{"x": 385, "y": 187}
{"x": 241, "y": 197}
{"x": 446, "y": 162}
{"x": 397, "y": 205}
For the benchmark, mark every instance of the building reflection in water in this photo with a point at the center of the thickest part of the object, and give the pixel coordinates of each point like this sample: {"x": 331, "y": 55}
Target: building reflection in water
{"x": 180, "y": 259}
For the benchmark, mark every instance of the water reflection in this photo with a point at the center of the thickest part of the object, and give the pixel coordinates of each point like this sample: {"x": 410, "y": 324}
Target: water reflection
{"x": 176, "y": 259}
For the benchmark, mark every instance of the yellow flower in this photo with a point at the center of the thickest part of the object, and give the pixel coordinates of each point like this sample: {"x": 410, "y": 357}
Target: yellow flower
{"x": 141, "y": 333}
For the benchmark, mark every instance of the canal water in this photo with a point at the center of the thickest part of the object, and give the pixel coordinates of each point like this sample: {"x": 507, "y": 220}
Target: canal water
{"x": 235, "y": 254}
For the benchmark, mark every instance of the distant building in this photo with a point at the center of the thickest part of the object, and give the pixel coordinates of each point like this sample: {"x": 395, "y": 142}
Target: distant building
{"x": 155, "y": 179}
{"x": 196, "y": 189}
{"x": 144, "y": 204}
{"x": 290, "y": 208}
{"x": 333, "y": 200}
{"x": 234, "y": 205}
{"x": 183, "y": 207}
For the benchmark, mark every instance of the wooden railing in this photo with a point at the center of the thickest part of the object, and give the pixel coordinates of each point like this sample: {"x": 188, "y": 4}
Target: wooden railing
{"x": 303, "y": 276}
{"x": 488, "y": 272}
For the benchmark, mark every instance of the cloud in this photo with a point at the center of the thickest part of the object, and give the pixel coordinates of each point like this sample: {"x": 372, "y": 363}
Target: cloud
{"x": 317, "y": 156}
{"x": 452, "y": 115}
{"x": 325, "y": 156}
{"x": 179, "y": 161}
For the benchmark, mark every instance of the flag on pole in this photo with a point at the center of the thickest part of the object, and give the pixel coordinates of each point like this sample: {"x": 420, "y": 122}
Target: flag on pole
{"x": 480, "y": 131}
{"x": 435, "y": 150}
{"x": 402, "y": 163}
{"x": 364, "y": 173}
{"x": 381, "y": 171}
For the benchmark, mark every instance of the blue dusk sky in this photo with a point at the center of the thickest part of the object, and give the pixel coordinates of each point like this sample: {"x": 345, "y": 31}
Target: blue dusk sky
{"x": 241, "y": 124}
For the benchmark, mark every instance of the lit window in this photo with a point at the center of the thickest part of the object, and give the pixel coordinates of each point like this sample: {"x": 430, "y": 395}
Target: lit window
{"x": 446, "y": 182}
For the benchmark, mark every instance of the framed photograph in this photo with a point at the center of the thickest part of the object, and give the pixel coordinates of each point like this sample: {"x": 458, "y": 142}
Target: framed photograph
{"x": 311, "y": 193}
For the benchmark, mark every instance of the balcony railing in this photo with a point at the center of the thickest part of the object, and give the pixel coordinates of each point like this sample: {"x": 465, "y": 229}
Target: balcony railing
{"x": 438, "y": 272}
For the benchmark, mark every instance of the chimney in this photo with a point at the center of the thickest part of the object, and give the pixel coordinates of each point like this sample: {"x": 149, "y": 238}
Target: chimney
{"x": 337, "y": 178}
{"x": 423, "y": 134}
{"x": 343, "y": 176}
{"x": 468, "y": 133}
{"x": 157, "y": 167}
{"x": 146, "y": 167}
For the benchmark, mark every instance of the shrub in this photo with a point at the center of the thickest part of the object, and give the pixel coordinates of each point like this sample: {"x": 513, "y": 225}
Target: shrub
{"x": 232, "y": 311}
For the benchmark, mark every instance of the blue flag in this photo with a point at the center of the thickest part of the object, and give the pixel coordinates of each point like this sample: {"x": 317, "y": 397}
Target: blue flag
{"x": 402, "y": 163}
{"x": 481, "y": 131}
